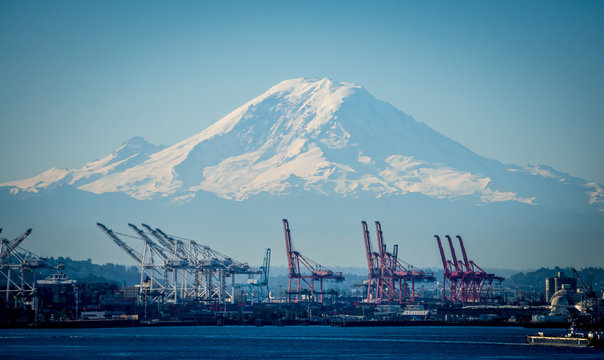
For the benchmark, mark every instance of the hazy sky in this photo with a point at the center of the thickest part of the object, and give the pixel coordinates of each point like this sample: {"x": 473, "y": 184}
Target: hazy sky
{"x": 517, "y": 81}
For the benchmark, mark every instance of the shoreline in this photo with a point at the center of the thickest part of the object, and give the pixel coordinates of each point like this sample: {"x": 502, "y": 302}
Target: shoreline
{"x": 121, "y": 323}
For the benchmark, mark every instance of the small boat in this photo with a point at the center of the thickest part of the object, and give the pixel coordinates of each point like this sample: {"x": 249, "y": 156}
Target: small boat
{"x": 58, "y": 278}
{"x": 572, "y": 339}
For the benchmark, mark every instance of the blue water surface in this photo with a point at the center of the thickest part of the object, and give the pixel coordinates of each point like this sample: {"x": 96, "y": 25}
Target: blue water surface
{"x": 291, "y": 342}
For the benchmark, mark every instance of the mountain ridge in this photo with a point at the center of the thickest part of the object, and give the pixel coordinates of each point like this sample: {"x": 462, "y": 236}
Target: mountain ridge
{"x": 321, "y": 136}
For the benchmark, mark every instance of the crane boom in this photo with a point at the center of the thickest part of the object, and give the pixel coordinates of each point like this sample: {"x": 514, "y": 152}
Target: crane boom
{"x": 370, "y": 262}
{"x": 133, "y": 253}
{"x": 10, "y": 246}
{"x": 453, "y": 255}
{"x": 442, "y": 254}
{"x": 589, "y": 292}
{"x": 167, "y": 237}
{"x": 266, "y": 265}
{"x": 463, "y": 252}
{"x": 291, "y": 256}
{"x": 381, "y": 245}
{"x": 165, "y": 243}
{"x": 149, "y": 242}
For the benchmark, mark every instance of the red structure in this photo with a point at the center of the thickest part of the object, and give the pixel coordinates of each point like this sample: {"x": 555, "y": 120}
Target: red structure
{"x": 463, "y": 281}
{"x": 305, "y": 288}
{"x": 391, "y": 280}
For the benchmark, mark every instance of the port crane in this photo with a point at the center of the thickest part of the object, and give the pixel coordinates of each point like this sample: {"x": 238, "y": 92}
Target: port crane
{"x": 205, "y": 276}
{"x": 391, "y": 280}
{"x": 305, "y": 283}
{"x": 151, "y": 282}
{"x": 477, "y": 282}
{"x": 462, "y": 286}
{"x": 9, "y": 246}
{"x": 450, "y": 277}
{"x": 172, "y": 262}
{"x": 591, "y": 302}
{"x": 15, "y": 264}
{"x": 258, "y": 286}
{"x": 213, "y": 265}
{"x": 373, "y": 265}
{"x": 589, "y": 292}
{"x": 465, "y": 281}
{"x": 177, "y": 269}
{"x": 179, "y": 259}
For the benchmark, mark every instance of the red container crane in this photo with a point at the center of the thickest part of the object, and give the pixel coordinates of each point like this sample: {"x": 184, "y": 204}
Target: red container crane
{"x": 391, "y": 280}
{"x": 465, "y": 281}
{"x": 305, "y": 284}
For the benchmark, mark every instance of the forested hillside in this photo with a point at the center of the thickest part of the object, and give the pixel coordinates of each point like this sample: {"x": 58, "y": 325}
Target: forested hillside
{"x": 535, "y": 280}
{"x": 86, "y": 271}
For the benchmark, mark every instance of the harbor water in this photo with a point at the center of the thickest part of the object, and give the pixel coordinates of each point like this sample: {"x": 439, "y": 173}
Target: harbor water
{"x": 291, "y": 342}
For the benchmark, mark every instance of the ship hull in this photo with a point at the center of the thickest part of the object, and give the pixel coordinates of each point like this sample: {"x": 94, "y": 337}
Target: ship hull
{"x": 561, "y": 341}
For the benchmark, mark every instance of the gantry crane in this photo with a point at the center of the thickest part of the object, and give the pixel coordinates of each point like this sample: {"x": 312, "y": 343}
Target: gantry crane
{"x": 198, "y": 272}
{"x": 305, "y": 283}
{"x": 258, "y": 286}
{"x": 172, "y": 263}
{"x": 15, "y": 264}
{"x": 6, "y": 255}
{"x": 391, "y": 280}
{"x": 465, "y": 281}
{"x": 9, "y": 246}
{"x": 151, "y": 285}
{"x": 373, "y": 265}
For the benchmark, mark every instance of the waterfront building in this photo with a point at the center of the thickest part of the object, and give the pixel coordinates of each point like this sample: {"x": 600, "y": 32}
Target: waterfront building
{"x": 559, "y": 282}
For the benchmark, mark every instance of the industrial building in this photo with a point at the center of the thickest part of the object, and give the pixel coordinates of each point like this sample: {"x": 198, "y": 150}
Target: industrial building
{"x": 559, "y": 282}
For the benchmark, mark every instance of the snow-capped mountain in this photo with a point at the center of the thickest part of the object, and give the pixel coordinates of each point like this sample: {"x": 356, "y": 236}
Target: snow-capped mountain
{"x": 325, "y": 155}
{"x": 323, "y": 137}
{"x": 131, "y": 153}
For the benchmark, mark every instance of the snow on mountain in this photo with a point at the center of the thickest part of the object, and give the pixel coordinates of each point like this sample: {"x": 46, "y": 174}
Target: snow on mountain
{"x": 321, "y": 136}
{"x": 38, "y": 182}
{"x": 131, "y": 153}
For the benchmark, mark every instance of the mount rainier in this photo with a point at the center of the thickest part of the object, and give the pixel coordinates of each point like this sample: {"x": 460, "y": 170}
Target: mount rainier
{"x": 308, "y": 144}
{"x": 321, "y": 136}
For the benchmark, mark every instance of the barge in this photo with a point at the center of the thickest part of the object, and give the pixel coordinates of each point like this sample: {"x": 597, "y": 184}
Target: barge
{"x": 572, "y": 339}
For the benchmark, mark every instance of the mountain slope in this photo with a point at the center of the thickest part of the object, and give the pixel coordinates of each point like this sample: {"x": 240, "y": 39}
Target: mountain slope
{"x": 324, "y": 137}
{"x": 131, "y": 153}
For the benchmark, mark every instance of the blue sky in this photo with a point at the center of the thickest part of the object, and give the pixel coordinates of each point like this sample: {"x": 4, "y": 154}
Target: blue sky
{"x": 517, "y": 81}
